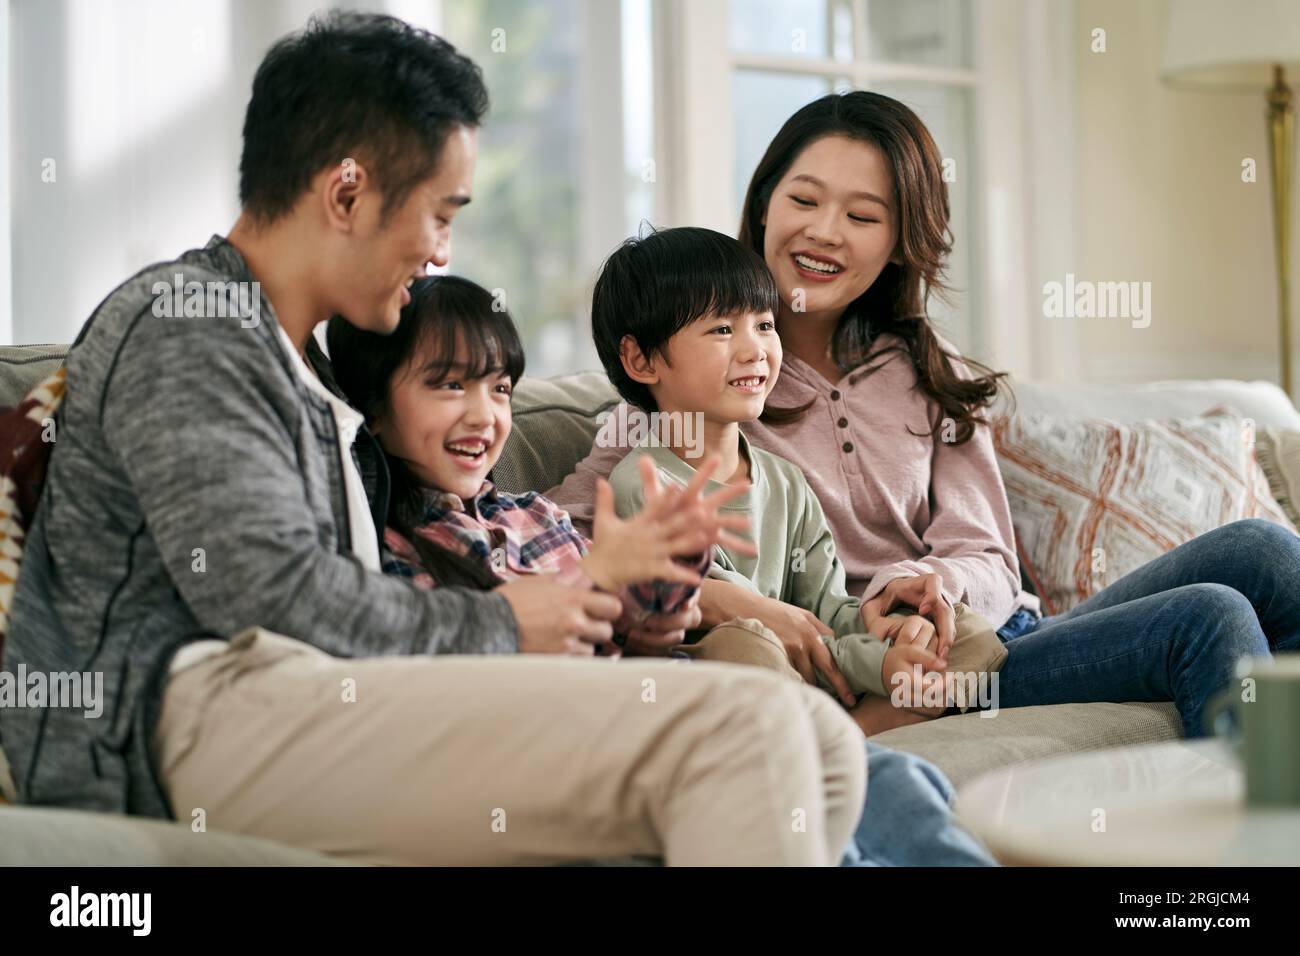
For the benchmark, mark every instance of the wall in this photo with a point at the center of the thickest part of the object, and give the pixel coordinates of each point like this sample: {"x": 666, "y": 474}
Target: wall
{"x": 1159, "y": 198}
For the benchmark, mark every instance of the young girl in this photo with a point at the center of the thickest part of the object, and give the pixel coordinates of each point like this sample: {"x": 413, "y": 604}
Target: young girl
{"x": 436, "y": 393}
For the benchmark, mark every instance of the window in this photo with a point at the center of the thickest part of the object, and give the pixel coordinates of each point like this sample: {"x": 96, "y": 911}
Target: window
{"x": 786, "y": 53}
{"x": 565, "y": 167}
{"x": 126, "y": 117}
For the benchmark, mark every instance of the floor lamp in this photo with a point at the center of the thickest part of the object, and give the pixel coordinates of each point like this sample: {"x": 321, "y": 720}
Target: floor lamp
{"x": 1245, "y": 45}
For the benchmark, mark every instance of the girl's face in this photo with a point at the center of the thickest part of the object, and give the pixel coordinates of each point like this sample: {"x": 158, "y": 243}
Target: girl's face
{"x": 449, "y": 430}
{"x": 831, "y": 225}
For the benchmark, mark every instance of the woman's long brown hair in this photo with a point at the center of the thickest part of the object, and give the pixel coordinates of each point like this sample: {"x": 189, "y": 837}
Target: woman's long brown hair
{"x": 895, "y": 304}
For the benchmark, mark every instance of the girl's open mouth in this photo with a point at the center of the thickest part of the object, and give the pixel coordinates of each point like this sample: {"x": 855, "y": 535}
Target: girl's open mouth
{"x": 469, "y": 455}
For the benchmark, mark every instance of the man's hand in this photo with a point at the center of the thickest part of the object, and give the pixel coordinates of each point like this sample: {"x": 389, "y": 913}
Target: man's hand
{"x": 556, "y": 618}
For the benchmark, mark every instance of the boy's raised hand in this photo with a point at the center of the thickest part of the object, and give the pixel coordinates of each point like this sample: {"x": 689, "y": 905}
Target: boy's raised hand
{"x": 673, "y": 523}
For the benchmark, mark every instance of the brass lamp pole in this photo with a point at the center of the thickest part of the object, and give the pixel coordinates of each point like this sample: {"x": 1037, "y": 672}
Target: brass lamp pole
{"x": 1281, "y": 141}
{"x": 1238, "y": 46}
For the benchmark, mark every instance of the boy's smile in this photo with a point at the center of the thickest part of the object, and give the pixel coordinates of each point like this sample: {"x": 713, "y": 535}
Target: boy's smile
{"x": 721, "y": 366}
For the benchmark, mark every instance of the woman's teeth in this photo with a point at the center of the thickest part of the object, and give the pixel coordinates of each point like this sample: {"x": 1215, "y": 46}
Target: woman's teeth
{"x": 816, "y": 265}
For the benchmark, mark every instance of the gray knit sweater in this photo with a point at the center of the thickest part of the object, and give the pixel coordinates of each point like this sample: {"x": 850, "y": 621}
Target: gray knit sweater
{"x": 180, "y": 434}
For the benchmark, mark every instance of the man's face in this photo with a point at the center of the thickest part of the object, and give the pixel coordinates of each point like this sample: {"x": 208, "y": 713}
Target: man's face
{"x": 384, "y": 257}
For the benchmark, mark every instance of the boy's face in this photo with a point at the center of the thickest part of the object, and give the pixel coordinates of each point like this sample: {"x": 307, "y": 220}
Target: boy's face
{"x": 449, "y": 431}
{"x": 381, "y": 258}
{"x": 721, "y": 366}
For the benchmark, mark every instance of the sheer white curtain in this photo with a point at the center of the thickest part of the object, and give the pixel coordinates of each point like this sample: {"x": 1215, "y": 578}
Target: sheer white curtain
{"x": 124, "y": 129}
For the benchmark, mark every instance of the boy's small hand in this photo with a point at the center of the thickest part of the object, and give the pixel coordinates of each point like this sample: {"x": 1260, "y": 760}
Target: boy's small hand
{"x": 906, "y": 629}
{"x": 913, "y": 673}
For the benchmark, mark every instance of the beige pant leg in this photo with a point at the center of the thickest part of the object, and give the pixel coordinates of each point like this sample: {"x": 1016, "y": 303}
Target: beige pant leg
{"x": 505, "y": 760}
{"x": 744, "y": 640}
{"x": 747, "y": 641}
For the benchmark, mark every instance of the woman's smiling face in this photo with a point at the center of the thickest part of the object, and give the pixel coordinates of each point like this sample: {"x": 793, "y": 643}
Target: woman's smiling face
{"x": 831, "y": 225}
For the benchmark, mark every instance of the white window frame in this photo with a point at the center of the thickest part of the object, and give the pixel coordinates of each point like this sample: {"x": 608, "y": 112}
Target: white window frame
{"x": 1022, "y": 121}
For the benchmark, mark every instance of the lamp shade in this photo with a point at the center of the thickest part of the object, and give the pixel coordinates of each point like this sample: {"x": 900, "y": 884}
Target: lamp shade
{"x": 1230, "y": 44}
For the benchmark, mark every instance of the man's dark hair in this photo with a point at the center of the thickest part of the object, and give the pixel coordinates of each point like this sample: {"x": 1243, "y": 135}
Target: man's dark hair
{"x": 351, "y": 85}
{"x": 653, "y": 287}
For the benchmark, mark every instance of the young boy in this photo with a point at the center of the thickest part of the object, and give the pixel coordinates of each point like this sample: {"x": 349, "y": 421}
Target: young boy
{"x": 683, "y": 321}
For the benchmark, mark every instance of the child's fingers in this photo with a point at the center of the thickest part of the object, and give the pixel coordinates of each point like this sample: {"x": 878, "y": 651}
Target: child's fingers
{"x": 740, "y": 545}
{"x": 716, "y": 499}
{"x": 703, "y": 518}
{"x": 916, "y": 630}
{"x": 677, "y": 574}
{"x": 604, "y": 502}
{"x": 701, "y": 476}
{"x": 679, "y": 522}
{"x": 915, "y": 654}
{"x": 688, "y": 544}
{"x": 651, "y": 490}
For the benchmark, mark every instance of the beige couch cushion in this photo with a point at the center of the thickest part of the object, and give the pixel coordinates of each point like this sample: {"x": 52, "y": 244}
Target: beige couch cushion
{"x": 965, "y": 746}
{"x": 554, "y": 426}
{"x": 22, "y": 366}
{"x": 38, "y": 836}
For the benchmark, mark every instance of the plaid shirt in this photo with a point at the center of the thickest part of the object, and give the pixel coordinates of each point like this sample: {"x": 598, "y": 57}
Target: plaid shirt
{"x": 513, "y": 536}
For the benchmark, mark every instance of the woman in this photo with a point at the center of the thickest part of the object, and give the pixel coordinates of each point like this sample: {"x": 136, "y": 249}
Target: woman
{"x": 849, "y": 210}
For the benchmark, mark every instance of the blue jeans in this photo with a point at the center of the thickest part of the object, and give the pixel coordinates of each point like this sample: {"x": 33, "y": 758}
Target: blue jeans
{"x": 907, "y": 820}
{"x": 1171, "y": 630}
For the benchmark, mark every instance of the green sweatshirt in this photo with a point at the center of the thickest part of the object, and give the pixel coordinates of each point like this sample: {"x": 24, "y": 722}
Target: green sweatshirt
{"x": 796, "y": 560}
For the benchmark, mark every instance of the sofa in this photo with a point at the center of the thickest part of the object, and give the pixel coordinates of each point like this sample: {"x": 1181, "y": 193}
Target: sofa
{"x": 555, "y": 424}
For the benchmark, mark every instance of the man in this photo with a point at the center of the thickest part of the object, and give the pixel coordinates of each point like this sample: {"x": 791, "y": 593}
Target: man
{"x": 207, "y": 541}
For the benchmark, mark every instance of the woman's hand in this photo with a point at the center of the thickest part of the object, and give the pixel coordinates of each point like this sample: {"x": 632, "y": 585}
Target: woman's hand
{"x": 800, "y": 631}
{"x": 556, "y": 618}
{"x": 923, "y": 592}
{"x": 673, "y": 523}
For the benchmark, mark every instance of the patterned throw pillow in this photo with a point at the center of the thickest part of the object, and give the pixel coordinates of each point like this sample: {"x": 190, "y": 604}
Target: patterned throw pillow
{"x": 1278, "y": 451}
{"x": 1094, "y": 500}
{"x": 25, "y": 444}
